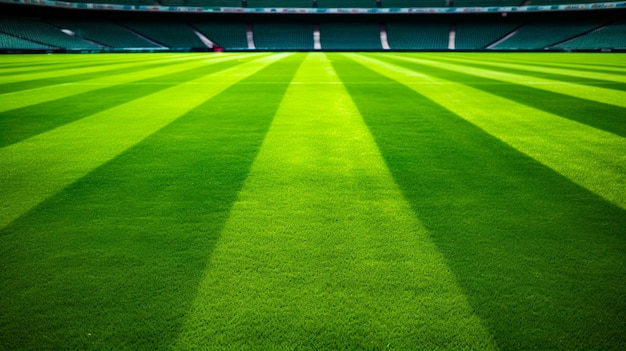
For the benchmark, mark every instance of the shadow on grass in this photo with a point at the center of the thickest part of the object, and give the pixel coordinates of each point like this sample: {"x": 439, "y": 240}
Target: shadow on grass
{"x": 541, "y": 259}
{"x": 113, "y": 261}
{"x": 587, "y": 111}
{"x": 19, "y": 124}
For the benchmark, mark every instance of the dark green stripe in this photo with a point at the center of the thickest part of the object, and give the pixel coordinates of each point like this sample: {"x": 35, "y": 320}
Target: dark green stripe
{"x": 592, "y": 113}
{"x": 554, "y": 76}
{"x": 547, "y": 61}
{"x": 38, "y": 83}
{"x": 47, "y": 67}
{"x": 114, "y": 260}
{"x": 23, "y": 123}
{"x": 541, "y": 259}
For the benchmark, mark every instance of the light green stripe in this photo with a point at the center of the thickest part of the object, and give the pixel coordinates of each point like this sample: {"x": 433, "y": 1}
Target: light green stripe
{"x": 37, "y": 168}
{"x": 29, "y": 97}
{"x": 54, "y": 73}
{"x": 607, "y": 96}
{"x": 50, "y": 64}
{"x": 620, "y": 78}
{"x": 581, "y": 153}
{"x": 575, "y": 61}
{"x": 321, "y": 250}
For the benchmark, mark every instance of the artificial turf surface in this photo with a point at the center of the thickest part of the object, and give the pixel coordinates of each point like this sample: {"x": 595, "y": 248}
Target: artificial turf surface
{"x": 313, "y": 201}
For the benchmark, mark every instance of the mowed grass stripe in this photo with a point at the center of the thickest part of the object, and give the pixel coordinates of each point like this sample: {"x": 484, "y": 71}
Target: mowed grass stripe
{"x": 575, "y": 61}
{"x": 540, "y": 259}
{"x": 128, "y": 67}
{"x": 78, "y": 61}
{"x": 22, "y": 123}
{"x": 321, "y": 251}
{"x": 114, "y": 259}
{"x": 596, "y": 94}
{"x": 100, "y": 80}
{"x": 105, "y": 66}
{"x": 587, "y": 156}
{"x": 556, "y": 70}
{"x": 582, "y": 77}
{"x": 595, "y": 114}
{"x": 39, "y": 167}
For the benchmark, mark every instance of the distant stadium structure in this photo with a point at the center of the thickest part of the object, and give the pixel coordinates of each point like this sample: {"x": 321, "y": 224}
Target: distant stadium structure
{"x": 308, "y": 25}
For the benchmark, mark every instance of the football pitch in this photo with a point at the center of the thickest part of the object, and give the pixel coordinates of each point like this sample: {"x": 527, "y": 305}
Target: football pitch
{"x": 313, "y": 201}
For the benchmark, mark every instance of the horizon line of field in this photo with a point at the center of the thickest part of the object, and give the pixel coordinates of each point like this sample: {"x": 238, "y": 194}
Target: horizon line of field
{"x": 612, "y": 186}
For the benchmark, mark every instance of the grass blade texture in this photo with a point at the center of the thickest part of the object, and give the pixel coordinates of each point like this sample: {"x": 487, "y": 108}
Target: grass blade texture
{"x": 321, "y": 251}
{"x": 313, "y": 201}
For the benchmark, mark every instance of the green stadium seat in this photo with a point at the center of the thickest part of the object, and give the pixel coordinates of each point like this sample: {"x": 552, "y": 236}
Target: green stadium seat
{"x": 478, "y": 35}
{"x": 227, "y": 35}
{"x": 171, "y": 33}
{"x": 283, "y": 36}
{"x": 532, "y": 36}
{"x": 612, "y": 36}
{"x": 350, "y": 36}
{"x": 105, "y": 33}
{"x": 11, "y": 42}
{"x": 43, "y": 33}
{"x": 418, "y": 36}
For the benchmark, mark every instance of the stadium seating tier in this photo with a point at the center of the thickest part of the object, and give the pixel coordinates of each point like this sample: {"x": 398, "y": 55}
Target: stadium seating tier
{"x": 283, "y": 36}
{"x": 418, "y": 36}
{"x": 350, "y": 36}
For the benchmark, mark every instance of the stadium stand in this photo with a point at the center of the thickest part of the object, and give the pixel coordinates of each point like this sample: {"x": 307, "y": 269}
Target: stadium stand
{"x": 47, "y": 29}
{"x": 350, "y": 36}
{"x": 476, "y": 35}
{"x": 203, "y": 3}
{"x": 563, "y": 2}
{"x": 414, "y": 3}
{"x": 214, "y": 3}
{"x": 612, "y": 36}
{"x": 40, "y": 32}
{"x": 283, "y": 36}
{"x": 120, "y": 2}
{"x": 104, "y": 32}
{"x": 11, "y": 42}
{"x": 227, "y": 35}
{"x": 346, "y": 3}
{"x": 487, "y": 3}
{"x": 280, "y": 3}
{"x": 171, "y": 33}
{"x": 418, "y": 36}
{"x": 337, "y": 3}
{"x": 532, "y": 36}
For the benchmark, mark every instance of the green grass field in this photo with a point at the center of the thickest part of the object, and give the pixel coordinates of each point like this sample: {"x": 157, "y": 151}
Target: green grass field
{"x": 425, "y": 201}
